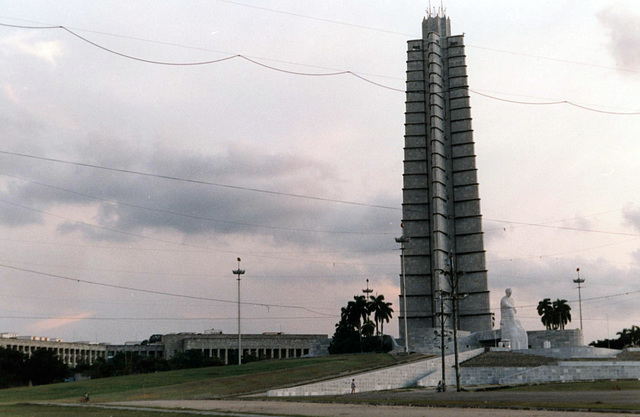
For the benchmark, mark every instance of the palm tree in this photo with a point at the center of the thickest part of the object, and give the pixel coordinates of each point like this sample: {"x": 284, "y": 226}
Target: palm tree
{"x": 635, "y": 335}
{"x": 630, "y": 337}
{"x": 545, "y": 310}
{"x": 356, "y": 313}
{"x": 561, "y": 314}
{"x": 351, "y": 314}
{"x": 382, "y": 312}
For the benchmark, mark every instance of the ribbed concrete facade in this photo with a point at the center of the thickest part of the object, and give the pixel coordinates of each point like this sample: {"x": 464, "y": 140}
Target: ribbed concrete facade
{"x": 70, "y": 353}
{"x": 441, "y": 202}
{"x": 262, "y": 346}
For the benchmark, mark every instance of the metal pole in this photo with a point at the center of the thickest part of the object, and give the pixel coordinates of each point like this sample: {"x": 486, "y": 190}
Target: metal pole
{"x": 454, "y": 310}
{"x": 442, "y": 318}
{"x": 455, "y": 342}
{"x": 239, "y": 272}
{"x": 402, "y": 240}
{"x": 579, "y": 281}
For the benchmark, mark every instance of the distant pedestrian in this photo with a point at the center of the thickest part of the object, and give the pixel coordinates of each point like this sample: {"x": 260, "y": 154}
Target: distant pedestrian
{"x": 353, "y": 386}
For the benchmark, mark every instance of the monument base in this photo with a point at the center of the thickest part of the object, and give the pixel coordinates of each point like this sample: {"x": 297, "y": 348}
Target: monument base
{"x": 431, "y": 342}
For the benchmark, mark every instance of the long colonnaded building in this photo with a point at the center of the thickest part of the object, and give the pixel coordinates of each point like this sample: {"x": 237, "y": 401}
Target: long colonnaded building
{"x": 441, "y": 202}
{"x": 212, "y": 344}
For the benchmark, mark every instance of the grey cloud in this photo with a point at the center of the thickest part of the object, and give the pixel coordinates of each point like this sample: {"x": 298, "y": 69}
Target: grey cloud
{"x": 631, "y": 216}
{"x": 15, "y": 216}
{"x": 623, "y": 28}
{"x": 201, "y": 209}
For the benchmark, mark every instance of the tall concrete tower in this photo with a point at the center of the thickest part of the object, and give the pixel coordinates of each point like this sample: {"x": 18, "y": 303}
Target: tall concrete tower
{"x": 441, "y": 202}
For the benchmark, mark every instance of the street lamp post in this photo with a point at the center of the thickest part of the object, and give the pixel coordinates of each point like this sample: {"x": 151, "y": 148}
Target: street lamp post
{"x": 579, "y": 281}
{"x": 402, "y": 240}
{"x": 239, "y": 272}
{"x": 368, "y": 291}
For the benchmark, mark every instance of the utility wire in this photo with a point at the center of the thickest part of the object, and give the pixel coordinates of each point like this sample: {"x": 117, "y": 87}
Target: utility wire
{"x": 160, "y": 318}
{"x": 178, "y": 45}
{"x": 193, "y": 181}
{"x": 190, "y": 216}
{"x": 199, "y": 275}
{"x": 577, "y": 229}
{"x": 564, "y": 61}
{"x": 200, "y": 182}
{"x": 340, "y": 72}
{"x": 549, "y": 255}
{"x": 371, "y": 28}
{"x": 346, "y": 72}
{"x": 168, "y": 294}
{"x": 531, "y": 103}
{"x": 174, "y": 242}
{"x": 489, "y": 310}
{"x": 173, "y": 178}
{"x": 317, "y": 18}
{"x": 209, "y": 62}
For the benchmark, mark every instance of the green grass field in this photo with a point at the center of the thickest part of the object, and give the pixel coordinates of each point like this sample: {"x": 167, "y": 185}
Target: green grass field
{"x": 30, "y": 410}
{"x": 202, "y": 383}
{"x": 229, "y": 381}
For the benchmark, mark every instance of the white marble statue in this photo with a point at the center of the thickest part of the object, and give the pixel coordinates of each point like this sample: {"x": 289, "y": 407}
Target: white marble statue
{"x": 510, "y": 327}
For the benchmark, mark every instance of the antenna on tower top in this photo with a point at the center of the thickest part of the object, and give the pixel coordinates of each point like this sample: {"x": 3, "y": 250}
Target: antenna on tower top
{"x": 432, "y": 11}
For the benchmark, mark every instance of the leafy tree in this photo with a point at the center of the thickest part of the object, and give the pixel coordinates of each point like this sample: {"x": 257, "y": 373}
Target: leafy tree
{"x": 626, "y": 338}
{"x": 608, "y": 343}
{"x": 45, "y": 367}
{"x": 13, "y": 368}
{"x": 368, "y": 328}
{"x": 193, "y": 358}
{"x": 346, "y": 339}
{"x": 101, "y": 368}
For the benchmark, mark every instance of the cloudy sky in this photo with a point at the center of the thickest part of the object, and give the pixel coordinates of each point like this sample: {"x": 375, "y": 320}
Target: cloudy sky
{"x": 128, "y": 187}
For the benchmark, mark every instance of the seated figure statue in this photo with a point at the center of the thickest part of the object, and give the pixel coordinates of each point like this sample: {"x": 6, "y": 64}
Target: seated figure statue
{"x": 510, "y": 327}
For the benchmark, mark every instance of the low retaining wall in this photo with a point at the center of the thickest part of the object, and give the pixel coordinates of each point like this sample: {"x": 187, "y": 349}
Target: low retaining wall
{"x": 556, "y": 338}
{"x": 565, "y": 371}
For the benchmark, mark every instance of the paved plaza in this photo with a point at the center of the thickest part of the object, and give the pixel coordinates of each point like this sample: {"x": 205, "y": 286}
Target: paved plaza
{"x": 285, "y": 408}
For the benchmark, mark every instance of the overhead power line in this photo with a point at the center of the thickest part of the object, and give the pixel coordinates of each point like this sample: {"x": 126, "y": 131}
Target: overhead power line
{"x": 354, "y": 25}
{"x": 316, "y": 18}
{"x": 208, "y": 62}
{"x": 200, "y": 182}
{"x": 126, "y": 233}
{"x": 196, "y": 48}
{"x": 192, "y": 275}
{"x": 337, "y": 73}
{"x": 191, "y": 216}
{"x": 159, "y": 318}
{"x": 533, "y": 103}
{"x": 168, "y": 294}
{"x": 577, "y": 229}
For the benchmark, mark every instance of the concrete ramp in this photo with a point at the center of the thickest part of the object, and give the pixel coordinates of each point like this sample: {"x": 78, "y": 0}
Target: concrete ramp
{"x": 394, "y": 377}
